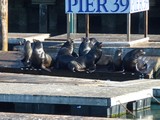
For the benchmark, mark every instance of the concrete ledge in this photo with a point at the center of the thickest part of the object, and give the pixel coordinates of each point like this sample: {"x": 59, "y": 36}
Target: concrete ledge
{"x": 16, "y": 38}
{"x": 131, "y": 97}
{"x": 20, "y": 116}
{"x": 21, "y": 88}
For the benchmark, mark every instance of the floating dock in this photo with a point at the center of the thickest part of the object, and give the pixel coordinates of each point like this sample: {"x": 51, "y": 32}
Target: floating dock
{"x": 76, "y": 96}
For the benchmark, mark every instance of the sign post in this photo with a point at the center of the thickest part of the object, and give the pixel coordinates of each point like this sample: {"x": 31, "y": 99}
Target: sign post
{"x": 109, "y": 7}
{"x": 68, "y": 26}
{"x": 128, "y": 27}
{"x": 4, "y": 24}
{"x": 71, "y": 24}
{"x": 87, "y": 25}
{"x": 145, "y": 23}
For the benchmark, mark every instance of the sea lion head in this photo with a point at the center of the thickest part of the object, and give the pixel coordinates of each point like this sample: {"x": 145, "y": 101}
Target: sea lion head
{"x": 68, "y": 43}
{"x": 66, "y": 48}
{"x": 92, "y": 41}
{"x": 98, "y": 45}
{"x": 37, "y": 44}
{"x": 139, "y": 52}
{"x": 85, "y": 39}
{"x": 84, "y": 47}
{"x": 27, "y": 45}
{"x": 119, "y": 52}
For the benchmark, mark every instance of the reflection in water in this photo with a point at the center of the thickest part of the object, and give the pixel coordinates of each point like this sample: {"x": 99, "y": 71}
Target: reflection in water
{"x": 152, "y": 113}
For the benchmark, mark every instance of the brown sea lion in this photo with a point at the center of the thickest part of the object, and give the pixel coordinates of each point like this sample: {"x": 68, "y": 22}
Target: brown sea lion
{"x": 118, "y": 60}
{"x": 39, "y": 58}
{"x": 27, "y": 53}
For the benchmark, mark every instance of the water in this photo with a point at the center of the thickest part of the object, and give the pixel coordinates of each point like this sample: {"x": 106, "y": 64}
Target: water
{"x": 152, "y": 113}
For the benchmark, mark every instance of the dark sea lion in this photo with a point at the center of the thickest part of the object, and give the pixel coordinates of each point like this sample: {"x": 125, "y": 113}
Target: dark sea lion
{"x": 104, "y": 60}
{"x": 92, "y": 41}
{"x": 118, "y": 60}
{"x": 39, "y": 58}
{"x": 130, "y": 60}
{"x": 27, "y": 53}
{"x": 87, "y": 62}
{"x": 64, "y": 55}
{"x": 66, "y": 48}
{"x": 86, "y": 45}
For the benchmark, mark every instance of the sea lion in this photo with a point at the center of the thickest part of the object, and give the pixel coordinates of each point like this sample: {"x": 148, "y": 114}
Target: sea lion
{"x": 131, "y": 62}
{"x": 117, "y": 60}
{"x": 39, "y": 58}
{"x": 86, "y": 45}
{"x": 64, "y": 55}
{"x": 92, "y": 41}
{"x": 141, "y": 66}
{"x": 27, "y": 53}
{"x": 87, "y": 62}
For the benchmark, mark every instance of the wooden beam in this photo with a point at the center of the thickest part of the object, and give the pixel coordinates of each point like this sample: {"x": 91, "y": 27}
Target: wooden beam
{"x": 4, "y": 24}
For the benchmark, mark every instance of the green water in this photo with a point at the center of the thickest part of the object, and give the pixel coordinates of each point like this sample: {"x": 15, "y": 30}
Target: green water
{"x": 152, "y": 113}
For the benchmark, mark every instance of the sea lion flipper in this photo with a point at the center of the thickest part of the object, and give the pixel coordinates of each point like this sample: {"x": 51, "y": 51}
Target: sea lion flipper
{"x": 74, "y": 54}
{"x": 46, "y": 69}
{"x": 23, "y": 60}
{"x": 91, "y": 69}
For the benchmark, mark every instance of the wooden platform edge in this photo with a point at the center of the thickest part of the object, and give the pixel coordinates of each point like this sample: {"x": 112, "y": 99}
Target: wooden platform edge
{"x": 98, "y": 75}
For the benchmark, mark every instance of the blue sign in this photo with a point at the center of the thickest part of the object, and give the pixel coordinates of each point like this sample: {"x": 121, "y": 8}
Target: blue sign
{"x": 105, "y": 6}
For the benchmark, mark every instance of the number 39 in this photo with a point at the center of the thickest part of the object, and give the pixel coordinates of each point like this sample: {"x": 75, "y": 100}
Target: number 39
{"x": 121, "y": 3}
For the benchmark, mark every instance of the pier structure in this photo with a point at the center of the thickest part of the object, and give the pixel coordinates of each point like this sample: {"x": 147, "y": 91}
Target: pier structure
{"x": 68, "y": 95}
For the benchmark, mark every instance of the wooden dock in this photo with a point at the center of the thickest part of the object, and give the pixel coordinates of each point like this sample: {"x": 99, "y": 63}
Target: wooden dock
{"x": 107, "y": 97}
{"x": 10, "y": 62}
